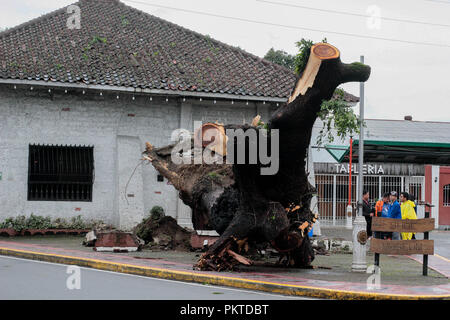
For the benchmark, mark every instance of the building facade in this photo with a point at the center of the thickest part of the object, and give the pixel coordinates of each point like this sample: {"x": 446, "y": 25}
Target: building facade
{"x": 116, "y": 127}
{"x": 83, "y": 88}
{"x": 400, "y": 155}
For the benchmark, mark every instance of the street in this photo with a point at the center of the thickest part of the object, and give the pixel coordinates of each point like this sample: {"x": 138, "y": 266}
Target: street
{"x": 28, "y": 279}
{"x": 441, "y": 242}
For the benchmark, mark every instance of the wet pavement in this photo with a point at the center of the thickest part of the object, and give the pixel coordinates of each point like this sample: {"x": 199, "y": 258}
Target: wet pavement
{"x": 399, "y": 274}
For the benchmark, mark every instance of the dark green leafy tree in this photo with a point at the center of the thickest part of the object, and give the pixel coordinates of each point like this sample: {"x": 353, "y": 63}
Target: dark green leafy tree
{"x": 338, "y": 114}
{"x": 281, "y": 57}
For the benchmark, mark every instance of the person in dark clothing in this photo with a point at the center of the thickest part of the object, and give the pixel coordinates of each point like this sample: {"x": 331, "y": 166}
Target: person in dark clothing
{"x": 368, "y": 212}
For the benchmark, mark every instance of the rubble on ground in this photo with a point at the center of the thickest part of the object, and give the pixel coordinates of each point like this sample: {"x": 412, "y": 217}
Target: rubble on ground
{"x": 162, "y": 232}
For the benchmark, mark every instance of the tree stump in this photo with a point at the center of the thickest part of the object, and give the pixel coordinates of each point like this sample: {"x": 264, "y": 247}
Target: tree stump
{"x": 240, "y": 203}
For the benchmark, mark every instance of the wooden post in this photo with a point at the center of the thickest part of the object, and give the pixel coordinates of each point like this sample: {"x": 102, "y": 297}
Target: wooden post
{"x": 425, "y": 256}
{"x": 403, "y": 247}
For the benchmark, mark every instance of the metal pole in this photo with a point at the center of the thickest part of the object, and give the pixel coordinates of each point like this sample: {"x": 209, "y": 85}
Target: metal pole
{"x": 361, "y": 144}
{"x": 425, "y": 256}
{"x": 349, "y": 217}
{"x": 350, "y": 173}
{"x": 359, "y": 225}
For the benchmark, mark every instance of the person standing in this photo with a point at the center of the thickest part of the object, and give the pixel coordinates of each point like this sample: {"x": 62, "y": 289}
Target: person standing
{"x": 368, "y": 212}
{"x": 381, "y": 210}
{"x": 408, "y": 212}
{"x": 394, "y": 212}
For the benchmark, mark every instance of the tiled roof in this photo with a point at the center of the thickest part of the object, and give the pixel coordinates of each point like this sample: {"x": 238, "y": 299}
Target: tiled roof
{"x": 121, "y": 46}
{"x": 389, "y": 130}
{"x": 118, "y": 45}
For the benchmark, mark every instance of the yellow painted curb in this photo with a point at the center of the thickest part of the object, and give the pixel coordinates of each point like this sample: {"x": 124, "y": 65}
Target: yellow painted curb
{"x": 249, "y": 284}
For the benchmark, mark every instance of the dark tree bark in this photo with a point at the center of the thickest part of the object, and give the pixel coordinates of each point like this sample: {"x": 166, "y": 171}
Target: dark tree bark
{"x": 245, "y": 206}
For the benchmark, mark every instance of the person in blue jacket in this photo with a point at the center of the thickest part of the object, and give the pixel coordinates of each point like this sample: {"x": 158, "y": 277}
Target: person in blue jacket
{"x": 394, "y": 212}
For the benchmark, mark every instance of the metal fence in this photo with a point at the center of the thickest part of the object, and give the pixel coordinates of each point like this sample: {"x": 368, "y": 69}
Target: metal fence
{"x": 332, "y": 192}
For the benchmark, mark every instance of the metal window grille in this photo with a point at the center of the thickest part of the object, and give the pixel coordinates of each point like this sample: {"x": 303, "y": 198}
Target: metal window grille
{"x": 332, "y": 192}
{"x": 372, "y": 184}
{"x": 447, "y": 195}
{"x": 416, "y": 187}
{"x": 324, "y": 185}
{"x": 391, "y": 183}
{"x": 60, "y": 173}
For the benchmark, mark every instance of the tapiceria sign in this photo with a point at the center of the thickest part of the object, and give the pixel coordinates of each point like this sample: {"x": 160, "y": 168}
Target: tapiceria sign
{"x": 367, "y": 168}
{"x": 371, "y": 168}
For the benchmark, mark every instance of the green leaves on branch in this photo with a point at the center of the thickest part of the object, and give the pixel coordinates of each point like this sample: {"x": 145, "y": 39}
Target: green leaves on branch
{"x": 302, "y": 57}
{"x": 296, "y": 63}
{"x": 337, "y": 114}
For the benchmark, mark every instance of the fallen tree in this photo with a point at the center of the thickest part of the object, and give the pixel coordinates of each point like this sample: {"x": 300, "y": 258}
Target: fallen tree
{"x": 243, "y": 205}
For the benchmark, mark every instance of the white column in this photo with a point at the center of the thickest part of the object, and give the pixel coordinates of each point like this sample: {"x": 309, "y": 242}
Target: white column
{"x": 379, "y": 187}
{"x": 435, "y": 194}
{"x": 359, "y": 263}
{"x": 334, "y": 200}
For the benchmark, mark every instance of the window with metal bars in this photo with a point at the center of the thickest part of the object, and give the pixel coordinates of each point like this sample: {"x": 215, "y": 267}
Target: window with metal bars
{"x": 446, "y": 201}
{"x": 60, "y": 173}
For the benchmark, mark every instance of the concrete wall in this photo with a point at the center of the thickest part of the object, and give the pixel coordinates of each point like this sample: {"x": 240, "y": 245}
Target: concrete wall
{"x": 118, "y": 130}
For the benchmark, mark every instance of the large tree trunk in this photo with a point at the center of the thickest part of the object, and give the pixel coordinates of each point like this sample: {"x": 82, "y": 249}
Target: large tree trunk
{"x": 245, "y": 206}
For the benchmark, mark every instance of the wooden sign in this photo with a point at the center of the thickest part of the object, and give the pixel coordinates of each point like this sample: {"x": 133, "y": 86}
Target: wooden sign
{"x": 400, "y": 247}
{"x": 398, "y": 225}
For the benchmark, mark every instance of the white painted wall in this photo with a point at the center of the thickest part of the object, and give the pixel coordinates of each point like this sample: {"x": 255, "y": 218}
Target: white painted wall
{"x": 118, "y": 130}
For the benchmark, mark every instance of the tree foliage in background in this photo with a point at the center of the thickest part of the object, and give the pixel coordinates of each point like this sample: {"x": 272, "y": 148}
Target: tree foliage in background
{"x": 281, "y": 57}
{"x": 335, "y": 113}
{"x": 338, "y": 114}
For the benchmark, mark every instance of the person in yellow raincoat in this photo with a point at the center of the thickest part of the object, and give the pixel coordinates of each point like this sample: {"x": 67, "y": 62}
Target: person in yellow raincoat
{"x": 408, "y": 212}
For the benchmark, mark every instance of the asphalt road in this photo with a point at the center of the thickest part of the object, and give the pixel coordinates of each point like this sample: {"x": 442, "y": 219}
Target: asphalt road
{"x": 28, "y": 279}
{"x": 441, "y": 242}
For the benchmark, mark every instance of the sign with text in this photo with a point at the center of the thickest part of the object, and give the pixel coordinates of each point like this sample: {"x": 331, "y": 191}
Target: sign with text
{"x": 398, "y": 225}
{"x": 402, "y": 247}
{"x": 368, "y": 169}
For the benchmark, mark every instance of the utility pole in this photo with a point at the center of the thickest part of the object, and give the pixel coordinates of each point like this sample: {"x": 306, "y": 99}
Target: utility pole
{"x": 348, "y": 219}
{"x": 359, "y": 225}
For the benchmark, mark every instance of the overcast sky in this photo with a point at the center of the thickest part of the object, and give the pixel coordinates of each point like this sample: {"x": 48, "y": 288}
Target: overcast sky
{"x": 406, "y": 79}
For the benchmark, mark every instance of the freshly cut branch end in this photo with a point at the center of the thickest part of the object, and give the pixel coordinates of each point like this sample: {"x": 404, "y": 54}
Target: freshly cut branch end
{"x": 319, "y": 52}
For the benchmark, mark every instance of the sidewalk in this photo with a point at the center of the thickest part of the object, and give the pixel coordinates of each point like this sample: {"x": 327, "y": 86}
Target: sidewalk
{"x": 439, "y": 262}
{"x": 331, "y": 279}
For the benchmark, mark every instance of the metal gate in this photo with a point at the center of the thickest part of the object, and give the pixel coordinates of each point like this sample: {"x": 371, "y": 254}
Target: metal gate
{"x": 332, "y": 192}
